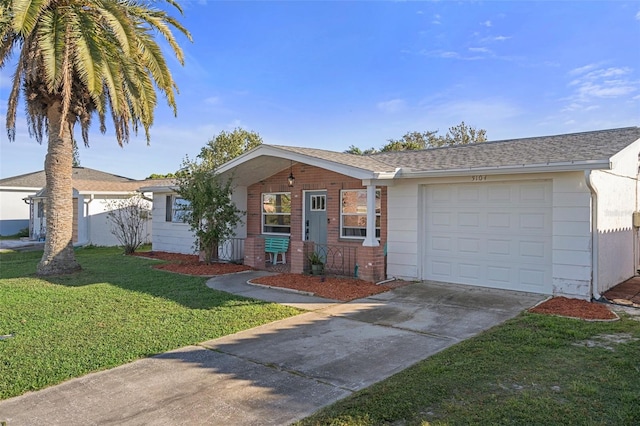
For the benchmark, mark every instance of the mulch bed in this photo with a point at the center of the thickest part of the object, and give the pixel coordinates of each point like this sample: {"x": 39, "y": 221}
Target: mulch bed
{"x": 189, "y": 264}
{"x": 336, "y": 288}
{"x": 574, "y": 308}
{"x": 346, "y": 289}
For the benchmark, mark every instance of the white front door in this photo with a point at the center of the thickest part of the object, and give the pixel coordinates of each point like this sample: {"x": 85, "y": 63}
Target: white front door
{"x": 489, "y": 234}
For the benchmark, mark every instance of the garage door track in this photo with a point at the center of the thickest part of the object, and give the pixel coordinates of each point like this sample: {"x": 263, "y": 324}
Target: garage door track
{"x": 279, "y": 372}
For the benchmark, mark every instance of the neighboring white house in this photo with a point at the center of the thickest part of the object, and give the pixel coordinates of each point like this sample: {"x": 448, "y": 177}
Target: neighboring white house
{"x": 93, "y": 190}
{"x": 170, "y": 232}
{"x": 14, "y": 210}
{"x": 550, "y": 215}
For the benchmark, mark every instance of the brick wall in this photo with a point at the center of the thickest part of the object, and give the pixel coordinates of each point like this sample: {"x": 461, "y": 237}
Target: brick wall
{"x": 310, "y": 178}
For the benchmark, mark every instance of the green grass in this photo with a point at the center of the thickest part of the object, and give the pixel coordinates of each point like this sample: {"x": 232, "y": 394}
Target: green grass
{"x": 116, "y": 310}
{"x": 534, "y": 370}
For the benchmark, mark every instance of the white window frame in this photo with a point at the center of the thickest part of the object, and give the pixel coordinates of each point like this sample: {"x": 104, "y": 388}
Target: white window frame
{"x": 318, "y": 203}
{"x": 264, "y": 213}
{"x": 359, "y": 213}
{"x": 177, "y": 213}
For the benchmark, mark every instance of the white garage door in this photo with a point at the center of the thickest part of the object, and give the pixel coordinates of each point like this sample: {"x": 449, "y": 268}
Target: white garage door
{"x": 489, "y": 234}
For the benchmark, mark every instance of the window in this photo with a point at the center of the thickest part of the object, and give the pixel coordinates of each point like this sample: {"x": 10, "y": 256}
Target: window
{"x": 276, "y": 213}
{"x": 40, "y": 205}
{"x": 353, "y": 213}
{"x": 318, "y": 203}
{"x": 176, "y": 209}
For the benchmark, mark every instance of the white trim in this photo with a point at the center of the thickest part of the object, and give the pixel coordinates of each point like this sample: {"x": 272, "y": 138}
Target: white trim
{"x": 510, "y": 169}
{"x": 304, "y": 210}
{"x": 364, "y": 239}
{"x": 262, "y": 213}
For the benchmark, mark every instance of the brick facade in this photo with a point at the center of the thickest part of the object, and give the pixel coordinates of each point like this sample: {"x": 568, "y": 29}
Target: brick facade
{"x": 311, "y": 178}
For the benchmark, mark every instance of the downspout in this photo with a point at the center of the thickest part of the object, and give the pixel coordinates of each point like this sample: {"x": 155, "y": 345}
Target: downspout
{"x": 594, "y": 236}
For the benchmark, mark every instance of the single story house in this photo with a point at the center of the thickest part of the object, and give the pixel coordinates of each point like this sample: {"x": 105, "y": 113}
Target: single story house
{"x": 93, "y": 190}
{"x": 172, "y": 234}
{"x": 14, "y": 209}
{"x": 551, "y": 215}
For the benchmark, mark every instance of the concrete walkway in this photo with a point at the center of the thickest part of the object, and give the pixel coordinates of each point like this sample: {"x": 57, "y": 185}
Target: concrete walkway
{"x": 279, "y": 372}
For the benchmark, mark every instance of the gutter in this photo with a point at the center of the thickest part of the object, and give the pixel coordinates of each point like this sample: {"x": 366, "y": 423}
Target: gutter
{"x": 524, "y": 168}
{"x": 594, "y": 236}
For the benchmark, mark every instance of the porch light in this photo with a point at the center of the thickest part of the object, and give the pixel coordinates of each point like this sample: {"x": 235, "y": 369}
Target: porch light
{"x": 291, "y": 179}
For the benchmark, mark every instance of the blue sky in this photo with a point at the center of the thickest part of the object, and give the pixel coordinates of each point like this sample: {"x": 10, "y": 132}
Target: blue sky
{"x": 333, "y": 74}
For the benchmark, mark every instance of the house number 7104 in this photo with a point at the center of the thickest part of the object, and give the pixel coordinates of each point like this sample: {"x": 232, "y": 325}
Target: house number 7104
{"x": 478, "y": 178}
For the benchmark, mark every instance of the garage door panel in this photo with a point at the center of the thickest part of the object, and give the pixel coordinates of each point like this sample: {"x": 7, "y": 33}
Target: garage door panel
{"x": 469, "y": 245}
{"x": 468, "y": 220}
{"x": 488, "y": 234}
{"x": 441, "y": 244}
{"x": 534, "y": 193}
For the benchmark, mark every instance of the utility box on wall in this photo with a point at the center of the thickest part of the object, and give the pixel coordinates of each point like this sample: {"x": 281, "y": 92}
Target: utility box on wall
{"x": 636, "y": 219}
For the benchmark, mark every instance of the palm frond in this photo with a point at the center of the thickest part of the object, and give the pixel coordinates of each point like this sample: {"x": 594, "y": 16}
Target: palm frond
{"x": 26, "y": 14}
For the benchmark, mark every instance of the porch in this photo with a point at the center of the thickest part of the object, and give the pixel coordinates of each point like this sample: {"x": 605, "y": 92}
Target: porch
{"x": 349, "y": 260}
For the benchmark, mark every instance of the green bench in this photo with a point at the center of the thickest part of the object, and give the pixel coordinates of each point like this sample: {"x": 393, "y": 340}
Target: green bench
{"x": 276, "y": 246}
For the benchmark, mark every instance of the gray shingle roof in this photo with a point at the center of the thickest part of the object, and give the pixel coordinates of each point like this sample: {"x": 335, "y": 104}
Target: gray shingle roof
{"x": 38, "y": 180}
{"x": 546, "y": 150}
{"x": 364, "y": 162}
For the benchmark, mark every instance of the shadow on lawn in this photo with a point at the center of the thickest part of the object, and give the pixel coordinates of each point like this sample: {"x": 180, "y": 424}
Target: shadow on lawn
{"x": 108, "y": 266}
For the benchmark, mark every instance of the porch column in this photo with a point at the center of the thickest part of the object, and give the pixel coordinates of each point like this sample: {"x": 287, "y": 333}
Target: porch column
{"x": 371, "y": 240}
{"x": 296, "y": 257}
{"x": 254, "y": 252}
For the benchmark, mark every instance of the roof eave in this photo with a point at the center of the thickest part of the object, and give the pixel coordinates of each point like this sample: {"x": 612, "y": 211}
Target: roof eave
{"x": 163, "y": 188}
{"x": 500, "y": 170}
{"x": 20, "y": 188}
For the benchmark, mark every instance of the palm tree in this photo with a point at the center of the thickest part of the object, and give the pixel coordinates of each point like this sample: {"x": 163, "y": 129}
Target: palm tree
{"x": 77, "y": 58}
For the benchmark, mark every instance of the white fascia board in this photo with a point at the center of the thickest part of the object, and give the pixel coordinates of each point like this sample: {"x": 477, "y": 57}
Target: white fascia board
{"x": 20, "y": 188}
{"x": 270, "y": 151}
{"x": 89, "y": 192}
{"x": 525, "y": 168}
{"x": 157, "y": 189}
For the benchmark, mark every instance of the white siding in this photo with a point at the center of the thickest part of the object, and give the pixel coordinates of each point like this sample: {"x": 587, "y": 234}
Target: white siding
{"x": 169, "y": 236}
{"x": 177, "y": 237}
{"x": 14, "y": 212}
{"x": 94, "y": 226}
{"x": 617, "y": 191}
{"x": 571, "y": 236}
{"x": 571, "y": 229}
{"x": 402, "y": 235}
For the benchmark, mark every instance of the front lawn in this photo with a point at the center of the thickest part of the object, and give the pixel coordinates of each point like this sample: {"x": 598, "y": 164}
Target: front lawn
{"x": 116, "y": 310}
{"x": 533, "y": 370}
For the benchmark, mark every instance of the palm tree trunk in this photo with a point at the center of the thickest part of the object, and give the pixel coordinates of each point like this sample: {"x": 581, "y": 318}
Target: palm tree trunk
{"x": 58, "y": 257}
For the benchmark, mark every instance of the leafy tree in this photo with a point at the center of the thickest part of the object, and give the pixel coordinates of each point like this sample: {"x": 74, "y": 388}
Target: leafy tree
{"x": 461, "y": 134}
{"x": 77, "y": 58}
{"x": 161, "y": 176}
{"x": 226, "y": 146}
{"x": 129, "y": 218}
{"x": 412, "y": 141}
{"x": 211, "y": 213}
{"x": 357, "y": 151}
{"x": 76, "y": 155}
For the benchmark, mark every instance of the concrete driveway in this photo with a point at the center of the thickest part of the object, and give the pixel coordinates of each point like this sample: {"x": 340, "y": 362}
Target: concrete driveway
{"x": 282, "y": 371}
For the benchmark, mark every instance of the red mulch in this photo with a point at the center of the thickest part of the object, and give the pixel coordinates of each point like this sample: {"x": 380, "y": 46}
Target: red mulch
{"x": 346, "y": 289}
{"x": 574, "y": 308}
{"x": 189, "y": 264}
{"x": 343, "y": 289}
